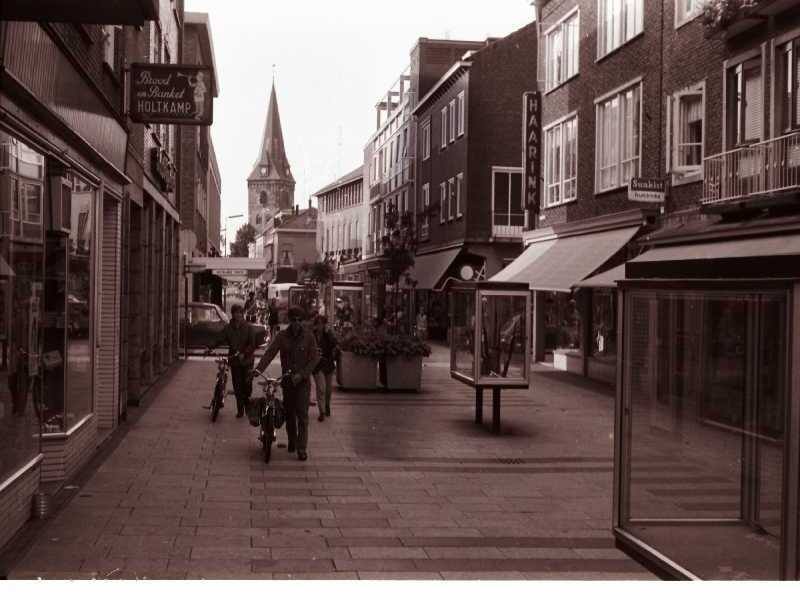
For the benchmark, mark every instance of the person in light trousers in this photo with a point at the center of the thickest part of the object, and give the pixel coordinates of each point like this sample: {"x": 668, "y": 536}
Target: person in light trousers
{"x": 323, "y": 374}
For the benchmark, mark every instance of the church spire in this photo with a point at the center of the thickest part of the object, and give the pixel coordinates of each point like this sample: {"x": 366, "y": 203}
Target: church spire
{"x": 272, "y": 162}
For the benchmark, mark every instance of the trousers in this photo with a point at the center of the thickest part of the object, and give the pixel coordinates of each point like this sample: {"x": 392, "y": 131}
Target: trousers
{"x": 296, "y": 399}
{"x": 242, "y": 385}
{"x": 323, "y": 384}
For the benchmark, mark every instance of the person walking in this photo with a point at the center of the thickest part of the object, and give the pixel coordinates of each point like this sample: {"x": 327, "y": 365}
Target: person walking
{"x": 323, "y": 373}
{"x": 250, "y": 307}
{"x": 240, "y": 338}
{"x": 272, "y": 320}
{"x": 299, "y": 357}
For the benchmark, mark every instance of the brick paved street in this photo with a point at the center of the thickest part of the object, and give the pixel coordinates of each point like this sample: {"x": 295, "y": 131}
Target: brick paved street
{"x": 396, "y": 486}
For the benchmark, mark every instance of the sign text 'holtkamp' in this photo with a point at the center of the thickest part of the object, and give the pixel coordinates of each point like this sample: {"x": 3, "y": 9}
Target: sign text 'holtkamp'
{"x": 173, "y": 94}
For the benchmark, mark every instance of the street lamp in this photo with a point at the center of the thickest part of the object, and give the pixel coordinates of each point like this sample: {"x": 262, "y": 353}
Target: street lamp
{"x": 225, "y": 230}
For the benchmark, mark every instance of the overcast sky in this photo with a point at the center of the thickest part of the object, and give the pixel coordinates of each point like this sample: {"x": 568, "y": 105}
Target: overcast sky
{"x": 334, "y": 59}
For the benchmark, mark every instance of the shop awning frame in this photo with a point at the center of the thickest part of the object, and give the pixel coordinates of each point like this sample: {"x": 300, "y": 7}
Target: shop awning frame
{"x": 430, "y": 268}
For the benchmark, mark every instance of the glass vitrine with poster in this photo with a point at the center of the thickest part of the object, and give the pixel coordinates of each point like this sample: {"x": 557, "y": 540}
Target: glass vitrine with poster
{"x": 490, "y": 338}
{"x": 345, "y": 305}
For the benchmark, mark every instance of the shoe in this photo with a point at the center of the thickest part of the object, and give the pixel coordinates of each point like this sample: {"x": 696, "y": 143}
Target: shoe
{"x": 290, "y": 447}
{"x": 328, "y": 413}
{"x": 321, "y": 417}
{"x": 301, "y": 455}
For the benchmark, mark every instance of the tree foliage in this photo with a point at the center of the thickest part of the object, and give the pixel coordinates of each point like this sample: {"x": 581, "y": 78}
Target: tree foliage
{"x": 245, "y": 235}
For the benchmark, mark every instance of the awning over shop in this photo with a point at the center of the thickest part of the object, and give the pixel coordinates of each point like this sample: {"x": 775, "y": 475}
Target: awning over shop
{"x": 429, "y": 268}
{"x": 567, "y": 261}
{"x": 523, "y": 262}
{"x": 773, "y": 256}
{"x": 606, "y": 279}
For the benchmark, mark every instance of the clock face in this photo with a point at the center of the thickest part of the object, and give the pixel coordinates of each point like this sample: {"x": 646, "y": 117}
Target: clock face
{"x": 263, "y": 170}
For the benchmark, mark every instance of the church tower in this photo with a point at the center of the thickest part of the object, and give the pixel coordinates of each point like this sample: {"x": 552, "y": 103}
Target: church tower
{"x": 270, "y": 187}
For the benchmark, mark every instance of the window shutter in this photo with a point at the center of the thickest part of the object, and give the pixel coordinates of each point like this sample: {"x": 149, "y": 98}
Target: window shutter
{"x": 753, "y": 94}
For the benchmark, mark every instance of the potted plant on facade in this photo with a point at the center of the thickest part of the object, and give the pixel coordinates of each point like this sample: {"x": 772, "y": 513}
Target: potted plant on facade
{"x": 402, "y": 357}
{"x": 718, "y": 15}
{"x": 357, "y": 367}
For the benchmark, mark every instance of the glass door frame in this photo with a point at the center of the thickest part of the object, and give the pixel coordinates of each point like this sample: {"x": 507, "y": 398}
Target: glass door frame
{"x": 789, "y": 562}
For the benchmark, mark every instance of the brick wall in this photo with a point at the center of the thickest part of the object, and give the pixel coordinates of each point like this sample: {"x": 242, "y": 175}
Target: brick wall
{"x": 65, "y": 455}
{"x": 639, "y": 57}
{"x": 500, "y": 74}
{"x": 15, "y": 503}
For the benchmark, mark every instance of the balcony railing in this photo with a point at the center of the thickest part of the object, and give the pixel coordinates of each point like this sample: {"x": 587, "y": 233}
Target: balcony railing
{"x": 763, "y": 168}
{"x": 509, "y": 225}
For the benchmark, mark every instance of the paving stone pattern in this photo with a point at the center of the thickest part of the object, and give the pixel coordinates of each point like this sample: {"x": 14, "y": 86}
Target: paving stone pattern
{"x": 397, "y": 486}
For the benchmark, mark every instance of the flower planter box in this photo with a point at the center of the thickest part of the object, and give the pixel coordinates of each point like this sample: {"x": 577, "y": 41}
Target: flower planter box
{"x": 404, "y": 373}
{"x": 357, "y": 372}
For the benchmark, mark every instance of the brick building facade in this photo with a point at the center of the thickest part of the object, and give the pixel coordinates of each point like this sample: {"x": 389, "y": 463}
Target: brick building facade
{"x": 469, "y": 168}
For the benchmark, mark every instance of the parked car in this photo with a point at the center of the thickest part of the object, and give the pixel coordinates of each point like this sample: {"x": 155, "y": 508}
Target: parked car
{"x": 206, "y": 322}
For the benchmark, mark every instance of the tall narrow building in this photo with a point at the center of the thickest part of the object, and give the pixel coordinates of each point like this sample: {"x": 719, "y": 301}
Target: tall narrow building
{"x": 270, "y": 186}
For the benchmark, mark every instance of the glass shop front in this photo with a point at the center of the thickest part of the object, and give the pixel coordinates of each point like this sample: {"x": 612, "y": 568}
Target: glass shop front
{"x": 47, "y": 256}
{"x": 707, "y": 441}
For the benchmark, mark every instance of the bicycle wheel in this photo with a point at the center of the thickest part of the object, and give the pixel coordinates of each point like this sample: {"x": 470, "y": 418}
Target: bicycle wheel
{"x": 216, "y": 401}
{"x": 267, "y": 434}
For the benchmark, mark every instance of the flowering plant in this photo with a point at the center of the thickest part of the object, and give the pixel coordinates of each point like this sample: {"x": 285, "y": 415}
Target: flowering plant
{"x": 380, "y": 345}
{"x": 719, "y": 14}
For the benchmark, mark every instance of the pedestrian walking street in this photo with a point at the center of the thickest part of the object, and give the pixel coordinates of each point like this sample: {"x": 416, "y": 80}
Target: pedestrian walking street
{"x": 397, "y": 486}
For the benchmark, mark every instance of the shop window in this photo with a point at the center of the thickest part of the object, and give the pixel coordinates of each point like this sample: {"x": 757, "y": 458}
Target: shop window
{"x": 21, "y": 315}
{"x": 706, "y": 393}
{"x": 562, "y": 322}
{"x": 604, "y": 325}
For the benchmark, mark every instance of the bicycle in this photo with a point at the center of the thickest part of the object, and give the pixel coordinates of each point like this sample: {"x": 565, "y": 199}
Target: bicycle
{"x": 218, "y": 399}
{"x": 268, "y": 412}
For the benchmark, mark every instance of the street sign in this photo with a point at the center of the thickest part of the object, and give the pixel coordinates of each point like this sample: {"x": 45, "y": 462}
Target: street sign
{"x": 230, "y": 272}
{"x": 172, "y": 94}
{"x": 642, "y": 189}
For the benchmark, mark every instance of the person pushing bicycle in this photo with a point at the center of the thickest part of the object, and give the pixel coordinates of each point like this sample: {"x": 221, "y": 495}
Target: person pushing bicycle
{"x": 299, "y": 356}
{"x": 240, "y": 338}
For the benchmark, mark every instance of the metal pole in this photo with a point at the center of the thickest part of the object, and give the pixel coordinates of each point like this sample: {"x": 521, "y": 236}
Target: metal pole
{"x": 496, "y": 411}
{"x": 185, "y": 309}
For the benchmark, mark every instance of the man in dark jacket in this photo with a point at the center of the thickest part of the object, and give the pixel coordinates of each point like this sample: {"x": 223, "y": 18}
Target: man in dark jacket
{"x": 240, "y": 338}
{"x": 299, "y": 356}
{"x": 323, "y": 374}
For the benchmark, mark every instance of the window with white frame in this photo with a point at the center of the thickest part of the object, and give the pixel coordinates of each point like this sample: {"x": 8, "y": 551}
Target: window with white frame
{"x": 461, "y": 107}
{"x": 31, "y": 197}
{"x": 459, "y": 187}
{"x": 561, "y": 162}
{"x": 561, "y": 47}
{"x": 618, "y": 138}
{"x": 442, "y": 201}
{"x": 426, "y": 203}
{"x": 745, "y": 110}
{"x": 452, "y": 120}
{"x": 426, "y": 140}
{"x": 686, "y": 10}
{"x": 444, "y": 126}
{"x": 686, "y": 121}
{"x": 507, "y": 207}
{"x": 618, "y": 21}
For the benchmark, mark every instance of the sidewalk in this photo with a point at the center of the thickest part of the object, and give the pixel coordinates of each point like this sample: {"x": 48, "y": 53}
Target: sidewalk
{"x": 396, "y": 486}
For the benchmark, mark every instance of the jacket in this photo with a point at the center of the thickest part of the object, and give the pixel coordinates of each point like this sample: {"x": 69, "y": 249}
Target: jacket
{"x": 328, "y": 350}
{"x": 299, "y": 354}
{"x": 239, "y": 339}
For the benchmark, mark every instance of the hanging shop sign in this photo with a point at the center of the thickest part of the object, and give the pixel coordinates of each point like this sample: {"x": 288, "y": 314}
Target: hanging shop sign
{"x": 230, "y": 272}
{"x": 531, "y": 144}
{"x": 171, "y": 94}
{"x": 641, "y": 189}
